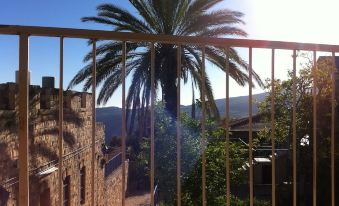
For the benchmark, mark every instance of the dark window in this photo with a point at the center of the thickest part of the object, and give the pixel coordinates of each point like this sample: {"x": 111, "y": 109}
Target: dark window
{"x": 266, "y": 174}
{"x": 82, "y": 185}
{"x": 67, "y": 191}
{"x": 43, "y": 100}
{"x": 83, "y": 100}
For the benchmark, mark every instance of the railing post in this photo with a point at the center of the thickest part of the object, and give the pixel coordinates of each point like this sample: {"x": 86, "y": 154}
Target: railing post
{"x": 23, "y": 121}
{"x": 333, "y": 128}
{"x": 152, "y": 119}
{"x": 61, "y": 119}
{"x": 294, "y": 128}
{"x": 178, "y": 127}
{"x": 123, "y": 131}
{"x": 250, "y": 133}
{"x": 314, "y": 94}
{"x": 227, "y": 146}
{"x": 273, "y": 127}
{"x": 93, "y": 121}
{"x": 203, "y": 127}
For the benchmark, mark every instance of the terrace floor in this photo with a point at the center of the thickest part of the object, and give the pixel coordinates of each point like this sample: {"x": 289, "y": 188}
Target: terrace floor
{"x": 138, "y": 200}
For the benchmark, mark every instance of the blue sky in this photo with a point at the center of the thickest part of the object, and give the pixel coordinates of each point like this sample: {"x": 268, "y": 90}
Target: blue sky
{"x": 289, "y": 20}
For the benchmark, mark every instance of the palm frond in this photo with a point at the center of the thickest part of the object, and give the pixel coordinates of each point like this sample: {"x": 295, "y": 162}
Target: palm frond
{"x": 177, "y": 17}
{"x": 122, "y": 16}
{"x": 148, "y": 14}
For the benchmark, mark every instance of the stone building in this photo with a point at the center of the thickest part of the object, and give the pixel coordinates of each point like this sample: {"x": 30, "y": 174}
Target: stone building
{"x": 43, "y": 148}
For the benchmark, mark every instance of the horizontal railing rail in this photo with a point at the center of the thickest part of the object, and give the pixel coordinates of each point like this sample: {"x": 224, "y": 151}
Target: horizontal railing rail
{"x": 140, "y": 37}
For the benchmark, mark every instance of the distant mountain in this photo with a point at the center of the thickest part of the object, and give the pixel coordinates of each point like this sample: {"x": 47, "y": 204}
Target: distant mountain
{"x": 111, "y": 116}
{"x": 238, "y": 105}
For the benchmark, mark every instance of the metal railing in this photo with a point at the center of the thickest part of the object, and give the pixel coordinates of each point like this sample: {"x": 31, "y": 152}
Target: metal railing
{"x": 24, "y": 32}
{"x": 112, "y": 164}
{"x": 156, "y": 195}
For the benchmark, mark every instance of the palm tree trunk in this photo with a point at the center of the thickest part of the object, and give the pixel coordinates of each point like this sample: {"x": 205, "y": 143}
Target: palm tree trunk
{"x": 193, "y": 103}
{"x": 169, "y": 80}
{"x": 170, "y": 97}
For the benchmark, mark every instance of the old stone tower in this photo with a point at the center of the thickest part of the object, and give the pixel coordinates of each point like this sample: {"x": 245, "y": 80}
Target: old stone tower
{"x": 44, "y": 150}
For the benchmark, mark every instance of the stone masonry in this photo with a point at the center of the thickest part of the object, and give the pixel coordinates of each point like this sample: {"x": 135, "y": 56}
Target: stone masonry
{"x": 43, "y": 145}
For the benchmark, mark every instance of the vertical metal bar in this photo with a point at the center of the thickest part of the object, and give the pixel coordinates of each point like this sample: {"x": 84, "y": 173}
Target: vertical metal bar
{"x": 203, "y": 128}
{"x": 123, "y": 129}
{"x": 61, "y": 119}
{"x": 93, "y": 119}
{"x": 23, "y": 120}
{"x": 314, "y": 93}
{"x": 228, "y": 184}
{"x": 333, "y": 135}
{"x": 152, "y": 120}
{"x": 178, "y": 127}
{"x": 250, "y": 139}
{"x": 294, "y": 128}
{"x": 273, "y": 127}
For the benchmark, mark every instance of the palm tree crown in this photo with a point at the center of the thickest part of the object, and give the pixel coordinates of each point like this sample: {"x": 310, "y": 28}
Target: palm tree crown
{"x": 175, "y": 17}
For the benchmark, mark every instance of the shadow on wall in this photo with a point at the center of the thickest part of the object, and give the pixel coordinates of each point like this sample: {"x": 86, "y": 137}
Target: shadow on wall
{"x": 43, "y": 127}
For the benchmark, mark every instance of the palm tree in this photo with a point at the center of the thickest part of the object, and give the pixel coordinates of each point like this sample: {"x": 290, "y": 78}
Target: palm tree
{"x": 175, "y": 17}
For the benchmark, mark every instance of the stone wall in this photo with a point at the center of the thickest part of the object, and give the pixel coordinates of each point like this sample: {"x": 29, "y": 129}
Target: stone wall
{"x": 113, "y": 185}
{"x": 43, "y": 145}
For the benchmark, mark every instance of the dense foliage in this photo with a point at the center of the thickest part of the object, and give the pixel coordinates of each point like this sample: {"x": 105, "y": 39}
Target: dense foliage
{"x": 165, "y": 151}
{"x": 304, "y": 127}
{"x": 165, "y": 161}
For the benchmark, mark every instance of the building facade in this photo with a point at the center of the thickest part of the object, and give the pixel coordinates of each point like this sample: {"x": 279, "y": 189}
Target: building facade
{"x": 43, "y": 149}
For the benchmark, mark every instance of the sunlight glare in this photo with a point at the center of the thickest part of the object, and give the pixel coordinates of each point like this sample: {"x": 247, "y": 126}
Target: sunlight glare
{"x": 290, "y": 20}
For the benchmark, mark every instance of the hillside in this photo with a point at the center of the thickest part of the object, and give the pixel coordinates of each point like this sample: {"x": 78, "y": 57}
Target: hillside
{"x": 238, "y": 105}
{"x": 111, "y": 116}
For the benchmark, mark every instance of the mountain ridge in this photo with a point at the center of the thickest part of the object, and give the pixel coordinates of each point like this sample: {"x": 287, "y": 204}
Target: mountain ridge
{"x": 111, "y": 116}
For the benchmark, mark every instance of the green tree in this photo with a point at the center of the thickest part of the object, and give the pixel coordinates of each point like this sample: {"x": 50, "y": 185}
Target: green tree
{"x": 165, "y": 161}
{"x": 216, "y": 171}
{"x": 176, "y": 17}
{"x": 304, "y": 126}
{"x": 165, "y": 152}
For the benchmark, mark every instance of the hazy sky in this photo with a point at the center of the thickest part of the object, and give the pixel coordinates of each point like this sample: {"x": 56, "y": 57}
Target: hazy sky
{"x": 310, "y": 21}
